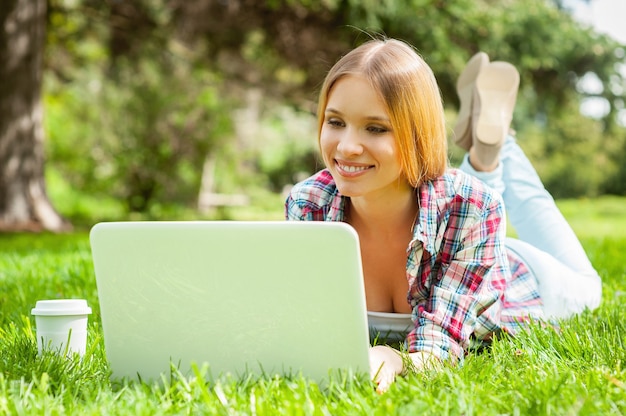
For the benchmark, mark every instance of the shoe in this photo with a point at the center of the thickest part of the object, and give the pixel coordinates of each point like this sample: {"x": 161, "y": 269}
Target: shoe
{"x": 495, "y": 94}
{"x": 465, "y": 90}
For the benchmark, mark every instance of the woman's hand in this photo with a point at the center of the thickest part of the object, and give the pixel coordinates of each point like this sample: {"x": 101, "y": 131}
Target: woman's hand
{"x": 385, "y": 365}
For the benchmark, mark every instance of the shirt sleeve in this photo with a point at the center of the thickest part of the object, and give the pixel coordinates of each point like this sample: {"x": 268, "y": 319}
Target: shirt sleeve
{"x": 466, "y": 281}
{"x": 293, "y": 211}
{"x": 300, "y": 207}
{"x": 314, "y": 199}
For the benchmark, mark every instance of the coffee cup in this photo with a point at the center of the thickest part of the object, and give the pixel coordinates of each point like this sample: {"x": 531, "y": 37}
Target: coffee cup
{"x": 61, "y": 325}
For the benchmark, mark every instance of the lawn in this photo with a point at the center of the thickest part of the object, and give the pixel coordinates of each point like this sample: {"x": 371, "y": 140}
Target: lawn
{"x": 577, "y": 370}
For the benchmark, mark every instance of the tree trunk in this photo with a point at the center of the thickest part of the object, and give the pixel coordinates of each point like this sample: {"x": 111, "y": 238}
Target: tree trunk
{"x": 24, "y": 204}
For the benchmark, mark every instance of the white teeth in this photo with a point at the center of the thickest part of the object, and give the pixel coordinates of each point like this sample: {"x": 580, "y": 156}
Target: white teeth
{"x": 353, "y": 169}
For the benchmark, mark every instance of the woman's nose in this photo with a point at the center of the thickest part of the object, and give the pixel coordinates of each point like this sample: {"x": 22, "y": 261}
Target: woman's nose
{"x": 350, "y": 143}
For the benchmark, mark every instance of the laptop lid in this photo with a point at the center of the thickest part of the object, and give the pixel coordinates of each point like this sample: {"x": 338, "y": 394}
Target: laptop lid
{"x": 259, "y": 297}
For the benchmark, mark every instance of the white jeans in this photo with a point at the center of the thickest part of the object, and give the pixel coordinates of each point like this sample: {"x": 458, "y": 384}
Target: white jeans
{"x": 567, "y": 282}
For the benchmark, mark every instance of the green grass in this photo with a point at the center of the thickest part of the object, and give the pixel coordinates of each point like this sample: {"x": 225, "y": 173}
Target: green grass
{"x": 579, "y": 370}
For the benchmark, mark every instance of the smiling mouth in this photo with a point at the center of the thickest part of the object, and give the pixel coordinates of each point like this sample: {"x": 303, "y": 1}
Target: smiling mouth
{"x": 351, "y": 168}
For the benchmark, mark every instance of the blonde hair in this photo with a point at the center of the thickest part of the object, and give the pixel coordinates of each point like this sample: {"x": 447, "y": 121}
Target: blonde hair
{"x": 412, "y": 98}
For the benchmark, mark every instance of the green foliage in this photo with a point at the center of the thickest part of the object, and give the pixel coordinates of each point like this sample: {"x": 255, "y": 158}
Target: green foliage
{"x": 289, "y": 151}
{"x": 142, "y": 135}
{"x": 84, "y": 208}
{"x": 572, "y": 154}
{"x": 138, "y": 94}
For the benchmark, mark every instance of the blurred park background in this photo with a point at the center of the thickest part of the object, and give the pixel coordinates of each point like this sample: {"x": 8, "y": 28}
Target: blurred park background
{"x": 205, "y": 109}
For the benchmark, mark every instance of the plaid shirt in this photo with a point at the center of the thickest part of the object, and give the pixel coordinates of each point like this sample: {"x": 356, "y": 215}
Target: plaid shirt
{"x": 465, "y": 284}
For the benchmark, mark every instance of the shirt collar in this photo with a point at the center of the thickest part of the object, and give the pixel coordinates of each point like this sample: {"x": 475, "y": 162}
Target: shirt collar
{"x": 425, "y": 230}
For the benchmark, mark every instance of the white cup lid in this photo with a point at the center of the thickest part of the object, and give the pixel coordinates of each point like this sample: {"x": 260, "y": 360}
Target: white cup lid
{"x": 61, "y": 307}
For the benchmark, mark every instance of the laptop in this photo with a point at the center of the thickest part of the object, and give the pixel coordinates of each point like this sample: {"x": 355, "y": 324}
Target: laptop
{"x": 243, "y": 297}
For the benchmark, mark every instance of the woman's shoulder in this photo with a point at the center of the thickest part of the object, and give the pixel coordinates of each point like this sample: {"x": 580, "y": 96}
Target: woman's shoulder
{"x": 457, "y": 202}
{"x": 457, "y": 187}
{"x": 315, "y": 193}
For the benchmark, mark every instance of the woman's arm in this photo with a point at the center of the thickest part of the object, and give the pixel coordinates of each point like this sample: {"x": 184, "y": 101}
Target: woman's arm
{"x": 458, "y": 293}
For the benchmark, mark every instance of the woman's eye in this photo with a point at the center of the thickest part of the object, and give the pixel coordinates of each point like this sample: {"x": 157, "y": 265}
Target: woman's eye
{"x": 334, "y": 122}
{"x": 377, "y": 129}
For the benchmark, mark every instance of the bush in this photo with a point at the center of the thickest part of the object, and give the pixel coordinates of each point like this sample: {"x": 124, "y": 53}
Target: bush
{"x": 571, "y": 153}
{"x": 141, "y": 134}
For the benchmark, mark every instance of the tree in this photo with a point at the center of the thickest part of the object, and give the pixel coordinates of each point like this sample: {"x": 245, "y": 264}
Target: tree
{"x": 24, "y": 204}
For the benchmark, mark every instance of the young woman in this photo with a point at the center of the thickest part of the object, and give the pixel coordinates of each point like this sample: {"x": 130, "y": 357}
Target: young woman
{"x": 432, "y": 238}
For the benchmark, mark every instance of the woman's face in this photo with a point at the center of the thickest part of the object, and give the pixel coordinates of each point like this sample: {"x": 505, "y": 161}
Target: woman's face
{"x": 357, "y": 141}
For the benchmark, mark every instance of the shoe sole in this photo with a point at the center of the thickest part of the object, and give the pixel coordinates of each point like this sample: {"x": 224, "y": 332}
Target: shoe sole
{"x": 465, "y": 91}
{"x": 496, "y": 87}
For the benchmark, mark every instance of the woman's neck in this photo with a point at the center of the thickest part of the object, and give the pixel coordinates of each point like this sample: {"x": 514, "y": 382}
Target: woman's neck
{"x": 386, "y": 214}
